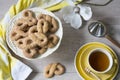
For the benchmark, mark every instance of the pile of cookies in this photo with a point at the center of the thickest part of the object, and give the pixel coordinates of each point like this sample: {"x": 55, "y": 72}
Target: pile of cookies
{"x": 34, "y": 35}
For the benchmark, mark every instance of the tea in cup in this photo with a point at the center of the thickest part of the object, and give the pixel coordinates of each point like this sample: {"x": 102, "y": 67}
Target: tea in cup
{"x": 100, "y": 60}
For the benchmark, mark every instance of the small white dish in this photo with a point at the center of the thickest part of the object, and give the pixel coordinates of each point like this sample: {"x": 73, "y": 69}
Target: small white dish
{"x": 18, "y": 51}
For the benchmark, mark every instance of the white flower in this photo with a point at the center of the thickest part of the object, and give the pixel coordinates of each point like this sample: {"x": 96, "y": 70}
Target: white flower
{"x": 72, "y": 14}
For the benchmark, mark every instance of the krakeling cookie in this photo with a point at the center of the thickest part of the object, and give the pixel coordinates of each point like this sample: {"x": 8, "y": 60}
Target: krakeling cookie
{"x": 53, "y": 69}
{"x": 52, "y": 22}
{"x": 27, "y": 13}
{"x": 34, "y": 35}
{"x": 53, "y": 40}
{"x": 42, "y": 26}
{"x": 17, "y": 34}
{"x": 39, "y": 38}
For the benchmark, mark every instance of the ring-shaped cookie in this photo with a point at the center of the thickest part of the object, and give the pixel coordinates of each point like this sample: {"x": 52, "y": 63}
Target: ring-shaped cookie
{"x": 54, "y": 26}
{"x": 53, "y": 69}
{"x": 28, "y": 13}
{"x": 39, "y": 38}
{"x": 53, "y": 40}
{"x": 17, "y": 34}
{"x": 42, "y": 26}
{"x": 30, "y": 52}
{"x": 22, "y": 23}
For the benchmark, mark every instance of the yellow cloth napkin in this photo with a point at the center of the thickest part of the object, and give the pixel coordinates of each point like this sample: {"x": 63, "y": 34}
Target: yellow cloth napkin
{"x": 10, "y": 67}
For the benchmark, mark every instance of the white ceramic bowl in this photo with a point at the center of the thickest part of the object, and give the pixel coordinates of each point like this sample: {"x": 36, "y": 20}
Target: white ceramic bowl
{"x": 18, "y": 51}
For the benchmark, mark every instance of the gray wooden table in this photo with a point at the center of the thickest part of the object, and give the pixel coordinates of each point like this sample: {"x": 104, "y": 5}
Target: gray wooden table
{"x": 73, "y": 40}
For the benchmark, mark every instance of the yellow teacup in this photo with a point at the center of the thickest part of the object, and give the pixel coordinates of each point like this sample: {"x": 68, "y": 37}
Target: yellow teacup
{"x": 100, "y": 60}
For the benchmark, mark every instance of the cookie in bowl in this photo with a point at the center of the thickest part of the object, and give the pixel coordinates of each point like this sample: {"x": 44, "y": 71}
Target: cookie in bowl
{"x": 36, "y": 35}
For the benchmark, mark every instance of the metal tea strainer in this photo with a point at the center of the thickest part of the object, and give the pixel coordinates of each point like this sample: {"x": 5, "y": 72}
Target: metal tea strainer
{"x": 98, "y": 29}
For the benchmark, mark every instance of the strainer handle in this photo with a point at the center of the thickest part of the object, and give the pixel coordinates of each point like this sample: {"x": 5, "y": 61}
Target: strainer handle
{"x": 113, "y": 41}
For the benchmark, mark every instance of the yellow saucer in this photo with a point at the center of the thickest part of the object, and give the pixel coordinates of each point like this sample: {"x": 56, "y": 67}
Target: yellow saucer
{"x": 81, "y": 62}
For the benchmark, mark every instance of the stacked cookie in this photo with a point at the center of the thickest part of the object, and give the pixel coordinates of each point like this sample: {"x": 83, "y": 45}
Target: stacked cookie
{"x": 35, "y": 35}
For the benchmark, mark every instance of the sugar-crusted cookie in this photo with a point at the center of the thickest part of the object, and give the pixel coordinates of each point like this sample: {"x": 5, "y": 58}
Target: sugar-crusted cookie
{"x": 28, "y": 13}
{"x": 17, "y": 33}
{"x": 53, "y": 40}
{"x": 39, "y": 38}
{"x": 42, "y": 26}
{"x": 30, "y": 52}
{"x": 52, "y": 21}
{"x": 53, "y": 69}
